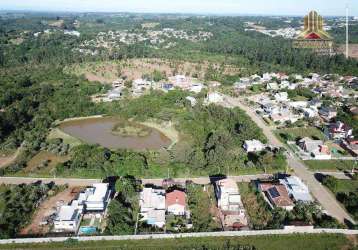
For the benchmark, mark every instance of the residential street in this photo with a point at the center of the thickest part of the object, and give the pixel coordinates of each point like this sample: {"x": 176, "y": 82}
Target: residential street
{"x": 324, "y": 197}
{"x": 87, "y": 182}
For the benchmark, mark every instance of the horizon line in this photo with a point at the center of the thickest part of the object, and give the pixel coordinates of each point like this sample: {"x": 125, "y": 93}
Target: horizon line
{"x": 229, "y": 14}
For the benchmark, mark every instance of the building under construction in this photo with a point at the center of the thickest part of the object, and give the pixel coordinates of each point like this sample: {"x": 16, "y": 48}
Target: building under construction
{"x": 314, "y": 36}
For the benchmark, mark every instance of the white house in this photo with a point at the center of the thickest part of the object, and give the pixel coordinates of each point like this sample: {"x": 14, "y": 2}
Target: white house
{"x": 152, "y": 206}
{"x": 96, "y": 198}
{"x": 281, "y": 97}
{"x": 228, "y": 196}
{"x": 253, "y": 146}
{"x": 297, "y": 189}
{"x": 272, "y": 86}
{"x": 192, "y": 100}
{"x": 214, "y": 97}
{"x": 196, "y": 88}
{"x": 68, "y": 219}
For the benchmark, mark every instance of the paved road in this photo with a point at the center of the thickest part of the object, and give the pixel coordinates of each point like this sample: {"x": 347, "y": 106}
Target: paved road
{"x": 324, "y": 197}
{"x": 185, "y": 235}
{"x": 87, "y": 182}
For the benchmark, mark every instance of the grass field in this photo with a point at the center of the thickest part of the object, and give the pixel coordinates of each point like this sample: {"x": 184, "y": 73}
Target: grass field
{"x": 330, "y": 165}
{"x": 294, "y": 133}
{"x": 292, "y": 242}
{"x": 347, "y": 186}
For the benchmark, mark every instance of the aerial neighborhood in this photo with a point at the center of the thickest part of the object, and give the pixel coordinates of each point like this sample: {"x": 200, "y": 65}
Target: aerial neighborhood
{"x": 178, "y": 131}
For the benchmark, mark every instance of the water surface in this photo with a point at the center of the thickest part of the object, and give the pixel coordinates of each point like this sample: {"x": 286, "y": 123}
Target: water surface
{"x": 99, "y": 131}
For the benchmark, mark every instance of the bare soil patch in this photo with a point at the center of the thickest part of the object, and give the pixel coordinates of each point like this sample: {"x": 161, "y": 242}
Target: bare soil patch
{"x": 35, "y": 165}
{"x": 48, "y": 208}
{"x": 107, "y": 72}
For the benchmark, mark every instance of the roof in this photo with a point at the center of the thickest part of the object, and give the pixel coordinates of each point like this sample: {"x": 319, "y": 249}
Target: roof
{"x": 297, "y": 188}
{"x": 227, "y": 184}
{"x": 152, "y": 198}
{"x": 100, "y": 192}
{"x": 67, "y": 213}
{"x": 175, "y": 197}
{"x": 277, "y": 193}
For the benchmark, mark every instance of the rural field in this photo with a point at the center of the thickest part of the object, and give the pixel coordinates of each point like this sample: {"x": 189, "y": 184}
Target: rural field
{"x": 330, "y": 165}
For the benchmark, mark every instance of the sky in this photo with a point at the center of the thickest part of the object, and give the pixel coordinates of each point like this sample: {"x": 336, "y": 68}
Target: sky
{"x": 264, "y": 7}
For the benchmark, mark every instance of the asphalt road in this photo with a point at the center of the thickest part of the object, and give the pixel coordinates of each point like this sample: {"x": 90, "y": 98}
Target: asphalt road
{"x": 323, "y": 196}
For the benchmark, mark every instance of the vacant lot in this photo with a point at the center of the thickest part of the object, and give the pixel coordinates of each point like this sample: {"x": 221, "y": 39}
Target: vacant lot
{"x": 43, "y": 163}
{"x": 331, "y": 165}
{"x": 107, "y": 72}
{"x": 293, "y": 134}
{"x": 292, "y": 242}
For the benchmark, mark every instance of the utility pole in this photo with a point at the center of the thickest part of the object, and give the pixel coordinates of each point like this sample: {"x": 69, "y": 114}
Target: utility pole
{"x": 347, "y": 32}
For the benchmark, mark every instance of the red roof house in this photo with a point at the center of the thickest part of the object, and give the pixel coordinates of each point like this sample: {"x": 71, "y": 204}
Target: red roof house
{"x": 175, "y": 202}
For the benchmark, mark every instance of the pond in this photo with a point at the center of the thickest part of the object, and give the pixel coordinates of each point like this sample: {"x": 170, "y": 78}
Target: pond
{"x": 100, "y": 131}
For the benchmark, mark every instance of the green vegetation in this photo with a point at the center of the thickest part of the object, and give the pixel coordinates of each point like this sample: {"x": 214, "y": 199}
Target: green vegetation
{"x": 276, "y": 242}
{"x": 331, "y": 165}
{"x": 125, "y": 128}
{"x": 346, "y": 192}
{"x": 200, "y": 203}
{"x": 294, "y": 134}
{"x": 124, "y": 208}
{"x": 17, "y": 204}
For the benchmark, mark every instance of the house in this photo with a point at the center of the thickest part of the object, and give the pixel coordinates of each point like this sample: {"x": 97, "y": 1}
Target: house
{"x": 351, "y": 145}
{"x": 296, "y": 189}
{"x": 214, "y": 97}
{"x": 181, "y": 81}
{"x": 68, "y": 219}
{"x": 272, "y": 86}
{"x": 298, "y": 104}
{"x": 315, "y": 148}
{"x": 175, "y": 202}
{"x": 281, "y": 97}
{"x": 196, "y": 88}
{"x": 339, "y": 130}
{"x": 271, "y": 108}
{"x": 114, "y": 94}
{"x": 152, "y": 206}
{"x": 97, "y": 197}
{"x": 307, "y": 144}
{"x": 192, "y": 100}
{"x": 228, "y": 196}
{"x": 327, "y": 113}
{"x": 253, "y": 146}
{"x": 167, "y": 86}
{"x": 276, "y": 195}
{"x": 310, "y": 112}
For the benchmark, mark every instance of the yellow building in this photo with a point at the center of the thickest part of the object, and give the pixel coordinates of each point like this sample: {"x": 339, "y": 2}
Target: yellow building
{"x": 314, "y": 36}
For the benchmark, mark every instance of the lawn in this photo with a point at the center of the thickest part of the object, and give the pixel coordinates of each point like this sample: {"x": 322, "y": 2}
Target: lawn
{"x": 276, "y": 242}
{"x": 292, "y": 134}
{"x": 347, "y": 186}
{"x": 330, "y": 165}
